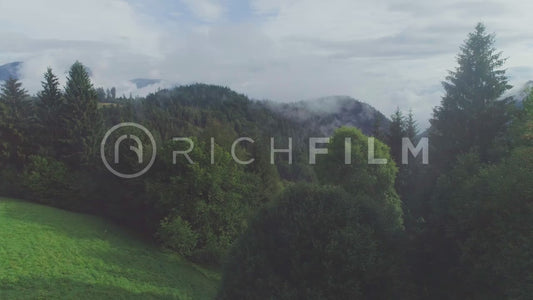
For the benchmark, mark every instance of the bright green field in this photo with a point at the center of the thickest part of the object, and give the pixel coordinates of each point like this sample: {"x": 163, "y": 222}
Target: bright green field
{"x": 47, "y": 253}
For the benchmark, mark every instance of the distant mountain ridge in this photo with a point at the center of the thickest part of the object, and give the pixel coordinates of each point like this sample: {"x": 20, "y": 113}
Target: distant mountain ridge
{"x": 144, "y": 82}
{"x": 10, "y": 70}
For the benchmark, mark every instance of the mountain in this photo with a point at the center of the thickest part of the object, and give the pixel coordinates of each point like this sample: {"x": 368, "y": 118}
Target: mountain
{"x": 324, "y": 115}
{"x": 10, "y": 70}
{"x": 144, "y": 82}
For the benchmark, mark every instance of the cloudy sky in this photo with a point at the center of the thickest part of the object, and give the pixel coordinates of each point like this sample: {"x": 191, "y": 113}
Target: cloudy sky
{"x": 388, "y": 53}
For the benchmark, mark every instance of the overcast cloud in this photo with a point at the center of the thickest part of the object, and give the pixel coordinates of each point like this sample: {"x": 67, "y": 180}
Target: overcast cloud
{"x": 388, "y": 53}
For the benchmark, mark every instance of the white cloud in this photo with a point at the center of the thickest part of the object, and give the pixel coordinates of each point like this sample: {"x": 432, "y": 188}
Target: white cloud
{"x": 386, "y": 52}
{"x": 205, "y": 10}
{"x": 395, "y": 52}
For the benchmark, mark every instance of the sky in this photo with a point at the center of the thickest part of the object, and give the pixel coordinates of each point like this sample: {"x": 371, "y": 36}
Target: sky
{"x": 388, "y": 53}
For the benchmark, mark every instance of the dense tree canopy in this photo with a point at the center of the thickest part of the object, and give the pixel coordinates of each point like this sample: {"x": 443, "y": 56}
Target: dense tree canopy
{"x": 359, "y": 177}
{"x": 81, "y": 118}
{"x": 16, "y": 115}
{"x": 314, "y": 243}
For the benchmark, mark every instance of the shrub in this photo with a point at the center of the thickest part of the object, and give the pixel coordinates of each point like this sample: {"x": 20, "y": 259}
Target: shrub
{"x": 176, "y": 234}
{"x": 47, "y": 180}
{"x": 215, "y": 200}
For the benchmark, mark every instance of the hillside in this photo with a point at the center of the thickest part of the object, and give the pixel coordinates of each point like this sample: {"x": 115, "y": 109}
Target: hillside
{"x": 324, "y": 115}
{"x": 50, "y": 253}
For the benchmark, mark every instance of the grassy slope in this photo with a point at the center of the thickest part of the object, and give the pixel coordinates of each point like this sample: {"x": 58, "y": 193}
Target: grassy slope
{"x": 49, "y": 253}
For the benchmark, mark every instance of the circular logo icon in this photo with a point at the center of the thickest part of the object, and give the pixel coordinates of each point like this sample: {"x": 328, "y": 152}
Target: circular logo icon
{"x": 138, "y": 149}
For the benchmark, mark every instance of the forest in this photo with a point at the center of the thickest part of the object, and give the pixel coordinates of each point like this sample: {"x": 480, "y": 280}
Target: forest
{"x": 457, "y": 227}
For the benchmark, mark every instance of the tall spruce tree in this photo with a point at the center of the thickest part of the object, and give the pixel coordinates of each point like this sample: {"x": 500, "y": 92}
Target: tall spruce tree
{"x": 49, "y": 108}
{"x": 472, "y": 115}
{"x": 81, "y": 118}
{"x": 411, "y": 127}
{"x": 50, "y": 96}
{"x": 16, "y": 113}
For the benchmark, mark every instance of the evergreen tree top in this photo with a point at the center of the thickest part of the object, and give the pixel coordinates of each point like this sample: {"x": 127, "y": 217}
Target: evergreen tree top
{"x": 50, "y": 96}
{"x": 478, "y": 80}
{"x": 79, "y": 84}
{"x": 12, "y": 91}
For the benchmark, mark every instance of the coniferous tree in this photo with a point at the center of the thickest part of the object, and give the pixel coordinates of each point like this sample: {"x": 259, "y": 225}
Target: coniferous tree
{"x": 465, "y": 131}
{"x": 50, "y": 96}
{"x": 411, "y": 127}
{"x": 471, "y": 115}
{"x": 50, "y": 104}
{"x": 113, "y": 93}
{"x": 395, "y": 135}
{"x": 101, "y": 95}
{"x": 16, "y": 113}
{"x": 81, "y": 118}
{"x": 377, "y": 127}
{"x": 409, "y": 176}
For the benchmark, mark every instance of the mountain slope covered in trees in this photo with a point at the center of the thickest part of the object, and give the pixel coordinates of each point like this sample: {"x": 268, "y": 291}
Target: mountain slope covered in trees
{"x": 324, "y": 115}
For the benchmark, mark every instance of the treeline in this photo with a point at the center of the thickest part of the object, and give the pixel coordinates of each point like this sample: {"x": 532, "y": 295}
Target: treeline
{"x": 51, "y": 154}
{"x": 458, "y": 228}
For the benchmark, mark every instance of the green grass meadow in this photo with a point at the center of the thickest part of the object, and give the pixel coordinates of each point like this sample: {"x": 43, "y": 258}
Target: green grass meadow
{"x": 48, "y": 253}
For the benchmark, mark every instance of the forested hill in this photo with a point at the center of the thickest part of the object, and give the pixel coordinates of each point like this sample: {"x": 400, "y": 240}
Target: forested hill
{"x": 324, "y": 115}
{"x": 206, "y": 111}
{"x": 319, "y": 116}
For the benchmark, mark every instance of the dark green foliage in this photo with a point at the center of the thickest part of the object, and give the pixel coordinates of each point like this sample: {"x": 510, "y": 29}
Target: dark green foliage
{"x": 469, "y": 131}
{"x": 13, "y": 94}
{"x": 212, "y": 201}
{"x": 16, "y": 113}
{"x": 377, "y": 128}
{"x": 50, "y": 96}
{"x": 410, "y": 126}
{"x": 481, "y": 229}
{"x": 177, "y": 234}
{"x": 100, "y": 94}
{"x": 471, "y": 115}
{"x": 314, "y": 243}
{"x": 360, "y": 178}
{"x": 11, "y": 182}
{"x": 50, "y": 104}
{"x": 410, "y": 179}
{"x": 48, "y": 181}
{"x": 496, "y": 255}
{"x": 522, "y": 126}
{"x": 397, "y": 131}
{"x": 80, "y": 119}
